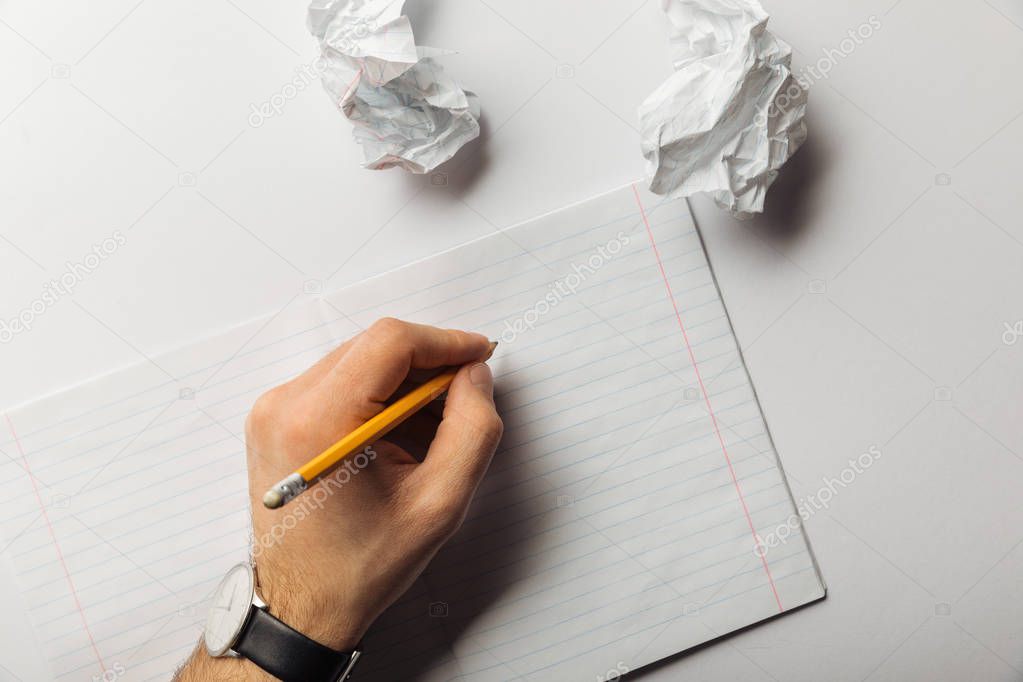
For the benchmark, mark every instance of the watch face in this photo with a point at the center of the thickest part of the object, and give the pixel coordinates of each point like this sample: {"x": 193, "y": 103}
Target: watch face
{"x": 229, "y": 610}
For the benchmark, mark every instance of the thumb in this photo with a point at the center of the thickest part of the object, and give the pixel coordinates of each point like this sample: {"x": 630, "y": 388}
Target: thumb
{"x": 466, "y": 439}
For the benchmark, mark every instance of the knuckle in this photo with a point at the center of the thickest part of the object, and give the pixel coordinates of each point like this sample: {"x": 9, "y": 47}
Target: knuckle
{"x": 389, "y": 328}
{"x": 276, "y": 418}
{"x": 263, "y": 413}
{"x": 495, "y": 426}
{"x": 439, "y": 514}
{"x": 481, "y": 428}
{"x": 489, "y": 427}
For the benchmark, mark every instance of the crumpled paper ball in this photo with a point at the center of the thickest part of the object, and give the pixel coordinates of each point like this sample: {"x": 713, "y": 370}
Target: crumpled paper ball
{"x": 406, "y": 110}
{"x": 732, "y": 113}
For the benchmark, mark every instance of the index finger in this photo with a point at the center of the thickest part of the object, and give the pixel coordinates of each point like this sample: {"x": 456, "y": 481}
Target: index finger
{"x": 381, "y": 357}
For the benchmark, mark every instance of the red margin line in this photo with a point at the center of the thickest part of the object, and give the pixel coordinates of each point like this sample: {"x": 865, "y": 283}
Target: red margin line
{"x": 56, "y": 546}
{"x": 706, "y": 398}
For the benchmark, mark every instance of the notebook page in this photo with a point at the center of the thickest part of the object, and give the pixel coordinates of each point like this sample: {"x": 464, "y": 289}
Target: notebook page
{"x": 618, "y": 524}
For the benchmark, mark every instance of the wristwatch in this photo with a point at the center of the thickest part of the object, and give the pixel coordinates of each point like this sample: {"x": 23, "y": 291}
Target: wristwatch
{"x": 240, "y": 625}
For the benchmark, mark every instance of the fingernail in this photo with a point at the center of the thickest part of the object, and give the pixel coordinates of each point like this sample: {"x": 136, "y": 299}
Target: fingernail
{"x": 481, "y": 377}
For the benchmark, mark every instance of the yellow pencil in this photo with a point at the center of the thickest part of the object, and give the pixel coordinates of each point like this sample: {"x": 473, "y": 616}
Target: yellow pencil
{"x": 367, "y": 434}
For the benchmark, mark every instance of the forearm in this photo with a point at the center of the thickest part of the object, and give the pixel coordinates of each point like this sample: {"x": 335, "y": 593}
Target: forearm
{"x": 308, "y": 613}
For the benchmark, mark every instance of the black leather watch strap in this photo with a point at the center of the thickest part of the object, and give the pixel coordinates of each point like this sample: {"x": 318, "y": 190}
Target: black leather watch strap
{"x": 286, "y": 653}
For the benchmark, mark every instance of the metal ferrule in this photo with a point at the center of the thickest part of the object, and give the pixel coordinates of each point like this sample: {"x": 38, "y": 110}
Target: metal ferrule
{"x": 290, "y": 487}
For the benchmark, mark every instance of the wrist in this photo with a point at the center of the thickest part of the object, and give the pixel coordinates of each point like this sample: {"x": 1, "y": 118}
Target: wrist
{"x": 329, "y": 621}
{"x": 201, "y": 667}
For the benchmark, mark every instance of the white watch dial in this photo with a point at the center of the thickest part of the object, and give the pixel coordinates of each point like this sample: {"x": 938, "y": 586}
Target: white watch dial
{"x": 229, "y": 610}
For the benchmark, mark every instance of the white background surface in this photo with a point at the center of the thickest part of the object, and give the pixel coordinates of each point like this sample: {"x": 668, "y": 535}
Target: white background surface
{"x": 108, "y": 111}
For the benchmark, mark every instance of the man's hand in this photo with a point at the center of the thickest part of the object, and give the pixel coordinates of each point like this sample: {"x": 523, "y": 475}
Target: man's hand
{"x": 333, "y": 559}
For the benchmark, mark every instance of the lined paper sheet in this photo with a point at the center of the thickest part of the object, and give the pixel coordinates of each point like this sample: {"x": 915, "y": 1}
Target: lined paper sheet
{"x": 618, "y": 524}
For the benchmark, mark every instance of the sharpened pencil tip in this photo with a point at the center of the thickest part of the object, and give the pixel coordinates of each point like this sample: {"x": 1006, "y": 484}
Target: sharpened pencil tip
{"x": 272, "y": 499}
{"x": 490, "y": 350}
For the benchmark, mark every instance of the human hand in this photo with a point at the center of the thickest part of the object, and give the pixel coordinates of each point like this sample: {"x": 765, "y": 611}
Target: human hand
{"x": 357, "y": 540}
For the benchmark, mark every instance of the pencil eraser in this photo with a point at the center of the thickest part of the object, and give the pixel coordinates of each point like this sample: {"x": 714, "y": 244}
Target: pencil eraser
{"x": 272, "y": 499}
